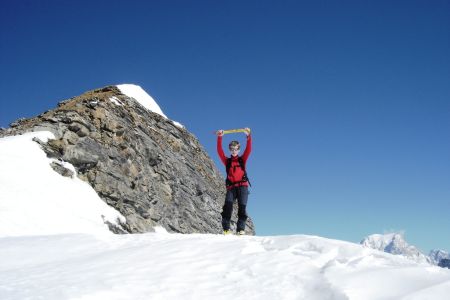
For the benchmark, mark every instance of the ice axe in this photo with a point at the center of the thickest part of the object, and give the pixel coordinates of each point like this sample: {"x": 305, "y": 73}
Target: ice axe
{"x": 232, "y": 131}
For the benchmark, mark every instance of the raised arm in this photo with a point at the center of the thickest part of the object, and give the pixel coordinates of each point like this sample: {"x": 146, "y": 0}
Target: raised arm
{"x": 248, "y": 147}
{"x": 222, "y": 156}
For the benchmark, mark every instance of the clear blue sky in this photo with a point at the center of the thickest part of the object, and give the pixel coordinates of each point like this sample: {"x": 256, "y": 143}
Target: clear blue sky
{"x": 349, "y": 101}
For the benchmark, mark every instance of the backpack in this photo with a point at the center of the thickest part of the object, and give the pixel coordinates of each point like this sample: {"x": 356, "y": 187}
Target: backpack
{"x": 242, "y": 165}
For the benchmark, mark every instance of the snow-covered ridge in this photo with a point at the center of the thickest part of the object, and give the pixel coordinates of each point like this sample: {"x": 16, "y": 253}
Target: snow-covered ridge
{"x": 204, "y": 266}
{"x": 143, "y": 98}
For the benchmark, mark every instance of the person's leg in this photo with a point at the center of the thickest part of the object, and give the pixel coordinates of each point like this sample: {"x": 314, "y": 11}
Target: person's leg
{"x": 227, "y": 209}
{"x": 242, "y": 214}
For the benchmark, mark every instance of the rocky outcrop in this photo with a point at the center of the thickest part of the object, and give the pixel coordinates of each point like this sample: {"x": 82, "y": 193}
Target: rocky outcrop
{"x": 444, "y": 263}
{"x": 150, "y": 169}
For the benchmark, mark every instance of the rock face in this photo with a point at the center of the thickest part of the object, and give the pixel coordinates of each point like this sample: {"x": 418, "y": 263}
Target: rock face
{"x": 150, "y": 169}
{"x": 444, "y": 263}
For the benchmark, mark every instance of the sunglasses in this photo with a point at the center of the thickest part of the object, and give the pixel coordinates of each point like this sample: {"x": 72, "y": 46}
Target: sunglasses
{"x": 234, "y": 149}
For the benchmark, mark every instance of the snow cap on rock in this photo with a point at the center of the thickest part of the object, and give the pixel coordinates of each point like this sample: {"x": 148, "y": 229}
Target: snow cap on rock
{"x": 141, "y": 96}
{"x": 144, "y": 99}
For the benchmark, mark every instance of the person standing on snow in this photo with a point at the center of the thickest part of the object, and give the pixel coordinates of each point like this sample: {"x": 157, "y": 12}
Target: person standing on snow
{"x": 237, "y": 182}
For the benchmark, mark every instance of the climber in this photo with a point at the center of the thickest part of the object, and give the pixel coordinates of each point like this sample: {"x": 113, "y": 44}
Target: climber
{"x": 237, "y": 182}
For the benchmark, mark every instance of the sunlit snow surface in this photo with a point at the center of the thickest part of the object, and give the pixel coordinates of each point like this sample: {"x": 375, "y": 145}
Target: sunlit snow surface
{"x": 175, "y": 266}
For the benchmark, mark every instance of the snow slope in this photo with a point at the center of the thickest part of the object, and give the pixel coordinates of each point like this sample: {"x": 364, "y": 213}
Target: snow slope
{"x": 174, "y": 266}
{"x": 35, "y": 200}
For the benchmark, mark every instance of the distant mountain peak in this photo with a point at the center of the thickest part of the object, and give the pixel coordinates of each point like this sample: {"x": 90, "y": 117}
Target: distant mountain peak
{"x": 437, "y": 255}
{"x": 394, "y": 243}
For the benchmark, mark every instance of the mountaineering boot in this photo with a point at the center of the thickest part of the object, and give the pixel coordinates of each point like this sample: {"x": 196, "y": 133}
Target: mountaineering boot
{"x": 227, "y": 232}
{"x": 241, "y": 232}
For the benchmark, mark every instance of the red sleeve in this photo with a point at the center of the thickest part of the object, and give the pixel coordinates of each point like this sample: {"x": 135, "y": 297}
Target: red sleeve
{"x": 248, "y": 148}
{"x": 222, "y": 156}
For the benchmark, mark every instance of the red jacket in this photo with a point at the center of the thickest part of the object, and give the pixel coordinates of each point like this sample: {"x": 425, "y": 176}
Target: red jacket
{"x": 236, "y": 173}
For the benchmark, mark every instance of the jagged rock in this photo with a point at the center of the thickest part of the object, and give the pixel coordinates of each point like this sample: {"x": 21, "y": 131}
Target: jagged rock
{"x": 59, "y": 168}
{"x": 153, "y": 172}
{"x": 444, "y": 263}
{"x": 17, "y": 122}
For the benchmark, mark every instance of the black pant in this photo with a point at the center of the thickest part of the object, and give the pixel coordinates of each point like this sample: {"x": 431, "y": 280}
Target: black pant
{"x": 241, "y": 194}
